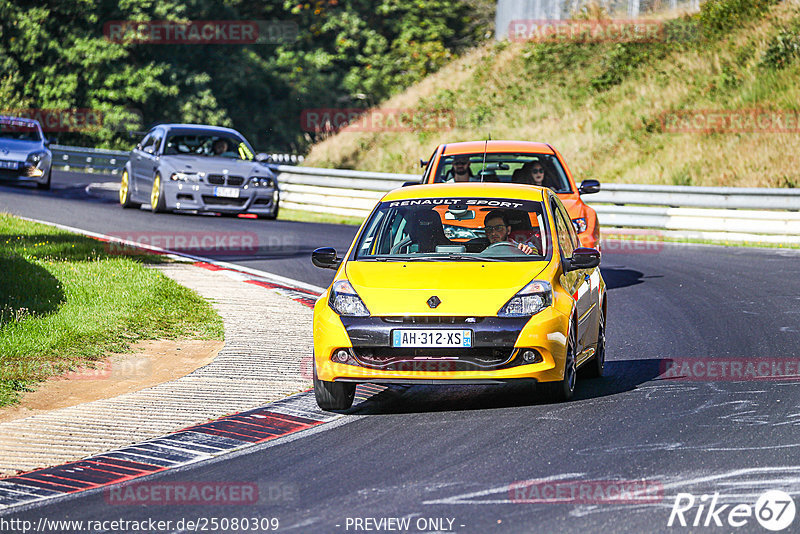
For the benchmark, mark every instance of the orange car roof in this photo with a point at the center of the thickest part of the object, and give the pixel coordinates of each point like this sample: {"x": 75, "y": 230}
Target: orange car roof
{"x": 471, "y": 147}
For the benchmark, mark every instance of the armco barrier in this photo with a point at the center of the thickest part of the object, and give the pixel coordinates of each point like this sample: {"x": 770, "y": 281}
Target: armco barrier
{"x": 101, "y": 161}
{"x": 92, "y": 160}
{"x": 732, "y": 213}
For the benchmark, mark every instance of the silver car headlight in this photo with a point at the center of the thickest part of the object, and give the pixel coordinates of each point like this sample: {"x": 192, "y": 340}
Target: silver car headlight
{"x": 345, "y": 301}
{"x": 580, "y": 225}
{"x": 35, "y": 157}
{"x": 260, "y": 181}
{"x": 530, "y": 300}
{"x": 185, "y": 177}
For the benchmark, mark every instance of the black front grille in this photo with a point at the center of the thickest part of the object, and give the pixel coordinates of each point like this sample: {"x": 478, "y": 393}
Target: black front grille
{"x": 436, "y": 360}
{"x": 221, "y": 179}
{"x": 433, "y": 319}
{"x": 224, "y": 201}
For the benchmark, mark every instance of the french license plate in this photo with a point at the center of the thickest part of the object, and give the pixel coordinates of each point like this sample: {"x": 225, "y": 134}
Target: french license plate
{"x": 9, "y": 164}
{"x": 407, "y": 337}
{"x": 229, "y": 192}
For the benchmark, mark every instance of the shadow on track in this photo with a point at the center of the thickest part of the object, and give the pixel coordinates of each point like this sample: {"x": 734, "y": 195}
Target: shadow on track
{"x": 617, "y": 277}
{"x": 620, "y": 376}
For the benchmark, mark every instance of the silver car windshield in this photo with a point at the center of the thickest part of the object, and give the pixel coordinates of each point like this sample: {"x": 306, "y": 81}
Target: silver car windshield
{"x": 210, "y": 145}
{"x": 456, "y": 229}
{"x": 19, "y": 130}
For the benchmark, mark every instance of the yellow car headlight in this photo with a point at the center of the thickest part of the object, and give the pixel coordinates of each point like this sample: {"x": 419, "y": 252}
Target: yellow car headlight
{"x": 530, "y": 300}
{"x": 345, "y": 301}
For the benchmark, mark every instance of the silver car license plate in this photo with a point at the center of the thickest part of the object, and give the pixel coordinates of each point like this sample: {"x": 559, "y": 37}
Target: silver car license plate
{"x": 406, "y": 337}
{"x": 228, "y": 192}
{"x": 9, "y": 164}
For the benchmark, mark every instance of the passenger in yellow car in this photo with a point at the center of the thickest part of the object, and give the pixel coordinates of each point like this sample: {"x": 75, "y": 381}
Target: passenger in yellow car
{"x": 498, "y": 230}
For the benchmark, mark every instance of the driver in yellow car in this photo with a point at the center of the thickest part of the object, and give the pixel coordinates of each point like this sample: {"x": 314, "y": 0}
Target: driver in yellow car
{"x": 498, "y": 229}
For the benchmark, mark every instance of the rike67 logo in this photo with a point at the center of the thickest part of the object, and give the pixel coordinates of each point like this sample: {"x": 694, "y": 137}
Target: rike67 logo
{"x": 774, "y": 510}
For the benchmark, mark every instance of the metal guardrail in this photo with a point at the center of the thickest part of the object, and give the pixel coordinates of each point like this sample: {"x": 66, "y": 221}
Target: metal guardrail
{"x": 93, "y": 160}
{"x": 101, "y": 161}
{"x": 734, "y": 213}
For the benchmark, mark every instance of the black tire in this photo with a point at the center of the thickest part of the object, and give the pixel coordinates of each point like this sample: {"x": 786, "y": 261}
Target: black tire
{"x": 125, "y": 192}
{"x": 333, "y": 395}
{"x": 564, "y": 389}
{"x": 596, "y": 366}
{"x": 157, "y": 201}
{"x": 45, "y": 186}
{"x": 274, "y": 215}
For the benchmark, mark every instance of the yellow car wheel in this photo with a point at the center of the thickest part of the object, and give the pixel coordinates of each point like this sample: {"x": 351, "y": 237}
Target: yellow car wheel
{"x": 125, "y": 192}
{"x": 333, "y": 395}
{"x": 157, "y": 202}
{"x": 595, "y": 367}
{"x": 563, "y": 389}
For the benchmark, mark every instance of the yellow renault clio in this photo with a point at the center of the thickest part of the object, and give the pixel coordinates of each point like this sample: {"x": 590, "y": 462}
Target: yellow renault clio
{"x": 468, "y": 283}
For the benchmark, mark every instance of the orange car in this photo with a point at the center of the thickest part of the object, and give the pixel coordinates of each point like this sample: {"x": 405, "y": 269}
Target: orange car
{"x": 515, "y": 162}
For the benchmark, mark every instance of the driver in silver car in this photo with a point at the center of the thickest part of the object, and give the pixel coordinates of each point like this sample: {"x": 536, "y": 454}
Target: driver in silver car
{"x": 498, "y": 229}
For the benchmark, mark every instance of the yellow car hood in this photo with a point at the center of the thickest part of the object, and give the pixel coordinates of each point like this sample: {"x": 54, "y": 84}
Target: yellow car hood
{"x": 464, "y": 288}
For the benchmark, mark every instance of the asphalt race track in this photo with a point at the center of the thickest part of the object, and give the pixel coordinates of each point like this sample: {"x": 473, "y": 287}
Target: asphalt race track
{"x": 451, "y": 459}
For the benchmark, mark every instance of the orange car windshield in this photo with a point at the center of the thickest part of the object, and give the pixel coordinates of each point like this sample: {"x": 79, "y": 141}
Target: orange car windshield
{"x": 521, "y": 168}
{"x": 456, "y": 229}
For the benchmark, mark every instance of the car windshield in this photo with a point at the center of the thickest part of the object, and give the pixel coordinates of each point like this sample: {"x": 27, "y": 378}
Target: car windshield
{"x": 207, "y": 144}
{"x": 19, "y": 130}
{"x": 522, "y": 168}
{"x": 455, "y": 229}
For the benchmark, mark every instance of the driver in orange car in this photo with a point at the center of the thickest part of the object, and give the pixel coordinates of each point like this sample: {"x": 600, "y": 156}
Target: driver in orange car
{"x": 498, "y": 230}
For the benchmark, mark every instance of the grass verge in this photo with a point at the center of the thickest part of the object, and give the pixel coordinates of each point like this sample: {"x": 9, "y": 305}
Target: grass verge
{"x": 65, "y": 302}
{"x": 310, "y": 216}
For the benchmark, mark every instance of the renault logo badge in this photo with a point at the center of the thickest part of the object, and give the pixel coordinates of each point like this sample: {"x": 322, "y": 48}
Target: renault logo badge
{"x": 434, "y": 301}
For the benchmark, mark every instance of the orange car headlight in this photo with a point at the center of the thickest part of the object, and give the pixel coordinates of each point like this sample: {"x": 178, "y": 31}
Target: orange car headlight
{"x": 580, "y": 224}
{"x": 529, "y": 300}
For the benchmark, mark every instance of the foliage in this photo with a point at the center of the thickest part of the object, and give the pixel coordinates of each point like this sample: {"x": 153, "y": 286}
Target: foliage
{"x": 783, "y": 48}
{"x": 55, "y": 56}
{"x": 721, "y": 16}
